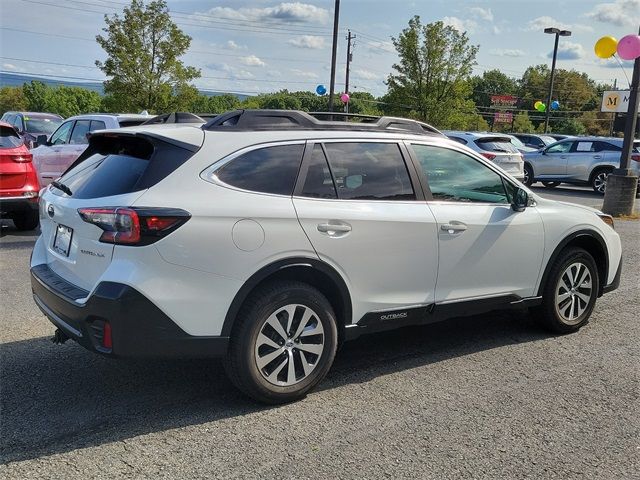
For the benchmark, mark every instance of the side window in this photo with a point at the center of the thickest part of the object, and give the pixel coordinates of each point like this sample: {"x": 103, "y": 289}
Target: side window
{"x": 369, "y": 171}
{"x": 97, "y": 125}
{"x": 582, "y": 147}
{"x": 264, "y": 170}
{"x": 79, "y": 135}
{"x": 318, "y": 182}
{"x": 454, "y": 176}
{"x": 17, "y": 122}
{"x": 61, "y": 136}
{"x": 607, "y": 147}
{"x": 561, "y": 147}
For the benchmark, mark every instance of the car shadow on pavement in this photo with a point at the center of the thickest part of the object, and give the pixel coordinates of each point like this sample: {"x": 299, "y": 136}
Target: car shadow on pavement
{"x": 56, "y": 399}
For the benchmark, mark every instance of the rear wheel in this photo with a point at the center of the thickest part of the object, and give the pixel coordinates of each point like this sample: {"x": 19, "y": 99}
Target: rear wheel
{"x": 26, "y": 220}
{"x": 599, "y": 180}
{"x": 528, "y": 175}
{"x": 551, "y": 184}
{"x": 283, "y": 343}
{"x": 570, "y": 293}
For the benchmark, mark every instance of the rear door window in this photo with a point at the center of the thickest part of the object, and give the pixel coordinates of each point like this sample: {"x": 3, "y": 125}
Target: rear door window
{"x": 560, "y": 147}
{"x": 79, "y": 135}
{"x": 264, "y": 170}
{"x": 369, "y": 171}
{"x": 318, "y": 182}
{"x": 97, "y": 125}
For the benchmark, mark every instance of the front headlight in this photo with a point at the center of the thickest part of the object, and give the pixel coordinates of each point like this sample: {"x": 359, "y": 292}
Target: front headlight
{"x": 608, "y": 219}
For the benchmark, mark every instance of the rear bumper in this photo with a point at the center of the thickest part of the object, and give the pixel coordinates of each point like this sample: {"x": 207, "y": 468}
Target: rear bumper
{"x": 138, "y": 327}
{"x": 18, "y": 204}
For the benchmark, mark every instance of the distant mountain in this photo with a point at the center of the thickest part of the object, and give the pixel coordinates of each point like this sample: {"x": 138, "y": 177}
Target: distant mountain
{"x": 8, "y": 79}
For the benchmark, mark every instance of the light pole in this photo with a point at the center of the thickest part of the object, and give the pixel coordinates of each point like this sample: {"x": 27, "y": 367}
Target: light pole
{"x": 334, "y": 48}
{"x": 558, "y": 33}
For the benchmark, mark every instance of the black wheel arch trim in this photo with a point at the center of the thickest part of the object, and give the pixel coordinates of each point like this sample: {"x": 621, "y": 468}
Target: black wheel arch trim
{"x": 563, "y": 244}
{"x": 280, "y": 265}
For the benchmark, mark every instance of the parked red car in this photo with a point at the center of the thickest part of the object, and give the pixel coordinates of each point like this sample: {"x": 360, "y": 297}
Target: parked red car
{"x": 19, "y": 187}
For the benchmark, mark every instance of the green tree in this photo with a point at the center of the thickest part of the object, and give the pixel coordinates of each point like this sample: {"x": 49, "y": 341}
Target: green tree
{"x": 574, "y": 90}
{"x": 12, "y": 98}
{"x": 435, "y": 64}
{"x": 522, "y": 123}
{"x": 36, "y": 94}
{"x": 570, "y": 126}
{"x": 69, "y": 101}
{"x": 491, "y": 82}
{"x": 143, "y": 47}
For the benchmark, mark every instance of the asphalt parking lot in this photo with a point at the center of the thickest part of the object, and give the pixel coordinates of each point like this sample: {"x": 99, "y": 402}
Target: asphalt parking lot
{"x": 489, "y": 396}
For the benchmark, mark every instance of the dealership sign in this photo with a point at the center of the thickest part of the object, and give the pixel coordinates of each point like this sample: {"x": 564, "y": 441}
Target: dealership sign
{"x": 504, "y": 101}
{"x": 502, "y": 117}
{"x": 615, "y": 101}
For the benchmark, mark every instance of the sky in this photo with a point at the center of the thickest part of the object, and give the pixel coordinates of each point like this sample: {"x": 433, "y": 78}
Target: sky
{"x": 263, "y": 46}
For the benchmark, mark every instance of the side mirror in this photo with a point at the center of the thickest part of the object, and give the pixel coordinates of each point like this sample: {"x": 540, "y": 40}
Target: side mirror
{"x": 543, "y": 151}
{"x": 520, "y": 200}
{"x": 41, "y": 140}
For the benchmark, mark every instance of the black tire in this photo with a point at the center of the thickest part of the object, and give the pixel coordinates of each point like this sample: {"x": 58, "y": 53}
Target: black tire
{"x": 26, "y": 220}
{"x": 548, "y": 314}
{"x": 241, "y": 363}
{"x": 528, "y": 175}
{"x": 596, "y": 179}
{"x": 551, "y": 184}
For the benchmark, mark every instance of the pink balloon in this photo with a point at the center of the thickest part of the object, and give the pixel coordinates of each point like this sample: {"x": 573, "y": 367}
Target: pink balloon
{"x": 629, "y": 47}
{"x": 344, "y": 97}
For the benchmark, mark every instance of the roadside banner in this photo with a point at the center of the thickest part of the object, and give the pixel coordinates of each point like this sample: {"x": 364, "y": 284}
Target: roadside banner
{"x": 615, "y": 101}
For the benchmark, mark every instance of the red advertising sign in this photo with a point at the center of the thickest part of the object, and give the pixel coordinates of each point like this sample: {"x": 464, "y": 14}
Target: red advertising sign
{"x": 502, "y": 117}
{"x": 503, "y": 101}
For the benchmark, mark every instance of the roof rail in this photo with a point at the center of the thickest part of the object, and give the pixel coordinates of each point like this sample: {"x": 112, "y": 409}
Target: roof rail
{"x": 251, "y": 120}
{"x": 175, "y": 117}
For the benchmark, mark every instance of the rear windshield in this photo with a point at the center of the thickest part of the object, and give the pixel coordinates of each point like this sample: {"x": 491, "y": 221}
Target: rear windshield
{"x": 41, "y": 125}
{"x": 501, "y": 145}
{"x": 117, "y": 165}
{"x": 9, "y": 138}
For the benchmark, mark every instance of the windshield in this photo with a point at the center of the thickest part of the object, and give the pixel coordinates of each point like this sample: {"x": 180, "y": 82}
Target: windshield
{"x": 500, "y": 145}
{"x": 547, "y": 140}
{"x": 41, "y": 125}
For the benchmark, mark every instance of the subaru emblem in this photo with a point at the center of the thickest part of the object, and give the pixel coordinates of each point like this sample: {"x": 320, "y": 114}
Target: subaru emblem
{"x": 50, "y": 211}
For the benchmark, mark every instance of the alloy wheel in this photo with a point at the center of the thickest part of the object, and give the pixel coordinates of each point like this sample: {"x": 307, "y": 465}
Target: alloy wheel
{"x": 573, "y": 293}
{"x": 600, "y": 182}
{"x": 289, "y": 345}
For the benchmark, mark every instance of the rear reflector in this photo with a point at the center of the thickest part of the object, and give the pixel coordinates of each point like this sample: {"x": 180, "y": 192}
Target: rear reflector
{"x": 106, "y": 336}
{"x": 134, "y": 226}
{"x": 488, "y": 155}
{"x": 635, "y": 157}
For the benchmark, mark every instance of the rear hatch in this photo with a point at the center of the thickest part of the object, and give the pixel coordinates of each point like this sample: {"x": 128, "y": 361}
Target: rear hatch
{"x": 13, "y": 156}
{"x": 502, "y": 152}
{"x": 111, "y": 174}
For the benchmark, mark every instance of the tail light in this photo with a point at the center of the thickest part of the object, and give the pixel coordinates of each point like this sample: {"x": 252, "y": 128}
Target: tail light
{"x": 134, "y": 226}
{"x": 635, "y": 157}
{"x": 488, "y": 155}
{"x": 21, "y": 157}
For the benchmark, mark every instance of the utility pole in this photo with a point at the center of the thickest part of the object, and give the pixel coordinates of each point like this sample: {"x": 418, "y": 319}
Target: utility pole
{"x": 334, "y": 50}
{"x": 558, "y": 33}
{"x": 350, "y": 37}
{"x": 622, "y": 184}
{"x": 613, "y": 115}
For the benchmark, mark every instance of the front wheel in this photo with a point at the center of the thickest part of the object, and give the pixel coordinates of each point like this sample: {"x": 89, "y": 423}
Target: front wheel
{"x": 570, "y": 293}
{"x": 283, "y": 343}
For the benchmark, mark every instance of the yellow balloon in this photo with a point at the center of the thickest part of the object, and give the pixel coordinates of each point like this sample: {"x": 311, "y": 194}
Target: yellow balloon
{"x": 606, "y": 47}
{"x": 537, "y": 104}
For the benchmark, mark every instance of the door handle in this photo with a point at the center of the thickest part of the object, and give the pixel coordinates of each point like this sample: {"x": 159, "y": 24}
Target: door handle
{"x": 333, "y": 229}
{"x": 597, "y": 157}
{"x": 453, "y": 227}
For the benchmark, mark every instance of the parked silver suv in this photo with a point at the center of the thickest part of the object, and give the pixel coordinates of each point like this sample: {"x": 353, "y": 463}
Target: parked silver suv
{"x": 581, "y": 161}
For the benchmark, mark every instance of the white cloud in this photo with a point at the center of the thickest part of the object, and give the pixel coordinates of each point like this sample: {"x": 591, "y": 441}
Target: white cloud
{"x": 234, "y": 46}
{"x": 364, "y": 74}
{"x": 303, "y": 73}
{"x": 623, "y": 13}
{"x": 460, "y": 24}
{"x": 294, "y": 12}
{"x": 496, "y": 30}
{"x": 252, "y": 61}
{"x": 307, "y": 41}
{"x": 381, "y": 47}
{"x": 613, "y": 63}
{"x": 507, "y": 52}
{"x": 232, "y": 72}
{"x": 10, "y": 66}
{"x": 569, "y": 51}
{"x": 482, "y": 13}
{"x": 540, "y": 23}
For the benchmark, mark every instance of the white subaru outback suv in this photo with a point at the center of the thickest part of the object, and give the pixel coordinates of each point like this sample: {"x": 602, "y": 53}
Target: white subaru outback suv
{"x": 270, "y": 237}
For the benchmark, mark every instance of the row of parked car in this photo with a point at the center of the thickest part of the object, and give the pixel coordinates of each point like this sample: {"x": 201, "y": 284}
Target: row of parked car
{"x": 36, "y": 148}
{"x": 551, "y": 159}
